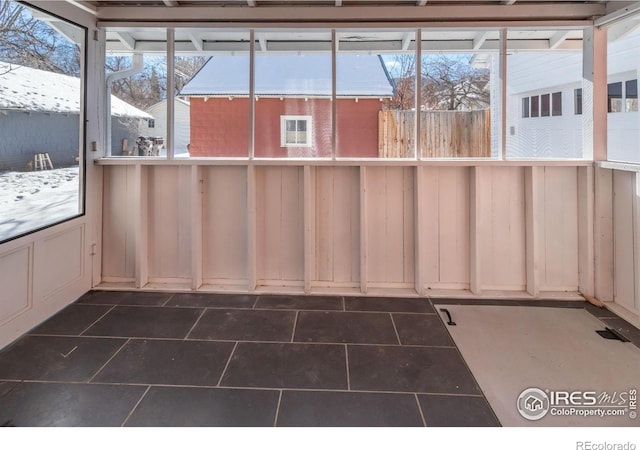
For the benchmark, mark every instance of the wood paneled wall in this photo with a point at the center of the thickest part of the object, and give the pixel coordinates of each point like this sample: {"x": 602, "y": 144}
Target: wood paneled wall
{"x": 421, "y": 229}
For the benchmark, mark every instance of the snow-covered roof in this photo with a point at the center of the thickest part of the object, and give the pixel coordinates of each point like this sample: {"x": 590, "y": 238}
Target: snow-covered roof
{"x": 26, "y": 89}
{"x": 162, "y": 103}
{"x": 292, "y": 75}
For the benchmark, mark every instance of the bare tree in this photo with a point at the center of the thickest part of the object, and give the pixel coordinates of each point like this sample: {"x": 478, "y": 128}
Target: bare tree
{"x": 150, "y": 85}
{"x": 402, "y": 69}
{"x": 27, "y": 41}
{"x": 450, "y": 82}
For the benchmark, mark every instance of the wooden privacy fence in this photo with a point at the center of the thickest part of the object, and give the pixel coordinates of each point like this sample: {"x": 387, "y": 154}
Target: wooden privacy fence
{"x": 443, "y": 134}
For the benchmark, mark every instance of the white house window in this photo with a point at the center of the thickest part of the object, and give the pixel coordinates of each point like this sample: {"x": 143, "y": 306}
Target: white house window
{"x": 556, "y": 102}
{"x": 152, "y": 123}
{"x": 577, "y": 101}
{"x": 615, "y": 97}
{"x": 525, "y": 107}
{"x": 295, "y": 131}
{"x": 631, "y": 91}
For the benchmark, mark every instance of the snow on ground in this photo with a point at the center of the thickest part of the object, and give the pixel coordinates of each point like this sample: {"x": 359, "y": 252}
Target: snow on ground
{"x": 30, "y": 200}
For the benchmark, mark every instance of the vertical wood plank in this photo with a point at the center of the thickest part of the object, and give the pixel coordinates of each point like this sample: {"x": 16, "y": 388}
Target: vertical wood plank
{"x": 603, "y": 231}
{"x": 324, "y": 218}
{"x": 623, "y": 233}
{"x": 475, "y": 218}
{"x": 252, "y": 251}
{"x": 586, "y": 236}
{"x": 309, "y": 226}
{"x": 634, "y": 303}
{"x": 225, "y": 224}
{"x": 197, "y": 192}
{"x": 141, "y": 228}
{"x": 453, "y": 217}
{"x": 408, "y": 221}
{"x": 429, "y": 229}
{"x": 533, "y": 219}
{"x": 364, "y": 233}
{"x": 560, "y": 233}
{"x": 420, "y": 265}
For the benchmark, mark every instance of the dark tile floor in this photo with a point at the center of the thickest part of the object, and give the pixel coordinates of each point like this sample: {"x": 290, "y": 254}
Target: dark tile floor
{"x": 161, "y": 359}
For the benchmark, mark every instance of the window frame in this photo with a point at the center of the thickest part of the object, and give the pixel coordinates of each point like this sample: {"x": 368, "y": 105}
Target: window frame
{"x": 526, "y": 107}
{"x": 556, "y": 104}
{"x": 283, "y": 131}
{"x": 82, "y": 125}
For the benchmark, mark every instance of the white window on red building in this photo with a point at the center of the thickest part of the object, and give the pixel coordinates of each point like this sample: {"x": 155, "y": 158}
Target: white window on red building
{"x": 295, "y": 131}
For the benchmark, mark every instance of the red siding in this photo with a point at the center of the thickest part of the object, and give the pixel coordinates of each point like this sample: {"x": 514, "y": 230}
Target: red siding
{"x": 220, "y": 127}
{"x": 357, "y": 128}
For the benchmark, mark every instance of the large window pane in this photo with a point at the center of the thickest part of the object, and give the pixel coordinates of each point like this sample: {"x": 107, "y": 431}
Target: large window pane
{"x": 546, "y": 67}
{"x": 212, "y": 87}
{"x": 375, "y": 87}
{"x": 293, "y": 94}
{"x": 136, "y": 76}
{"x": 623, "y": 120}
{"x": 460, "y": 106}
{"x": 41, "y": 113}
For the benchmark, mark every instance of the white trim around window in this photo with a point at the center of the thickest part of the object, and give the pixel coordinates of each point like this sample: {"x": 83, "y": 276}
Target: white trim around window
{"x": 296, "y": 131}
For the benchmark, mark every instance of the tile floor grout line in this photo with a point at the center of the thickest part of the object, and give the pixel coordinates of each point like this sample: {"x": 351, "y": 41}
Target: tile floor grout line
{"x": 227, "y": 364}
{"x": 393, "y": 322}
{"x": 97, "y": 320}
{"x": 144, "y": 394}
{"x": 275, "y": 419}
{"x": 424, "y": 422}
{"x": 250, "y": 388}
{"x": 346, "y": 360}
{"x": 295, "y": 323}
{"x": 204, "y": 310}
{"x": 169, "y": 299}
{"x": 108, "y": 361}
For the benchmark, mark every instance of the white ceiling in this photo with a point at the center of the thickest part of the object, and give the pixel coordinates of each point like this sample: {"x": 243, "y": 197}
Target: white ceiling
{"x": 210, "y": 26}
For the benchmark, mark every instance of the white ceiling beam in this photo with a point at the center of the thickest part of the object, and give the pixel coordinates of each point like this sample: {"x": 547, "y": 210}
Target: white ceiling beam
{"x": 622, "y": 30}
{"x": 508, "y": 2}
{"x": 406, "y": 41}
{"x": 421, "y": 2}
{"x": 251, "y": 3}
{"x": 83, "y": 6}
{"x": 618, "y": 15}
{"x": 187, "y": 47}
{"x": 262, "y": 41}
{"x": 170, "y": 2}
{"x": 558, "y": 38}
{"x": 197, "y": 42}
{"x": 126, "y": 39}
{"x": 480, "y": 39}
{"x": 429, "y": 13}
{"x": 338, "y": 2}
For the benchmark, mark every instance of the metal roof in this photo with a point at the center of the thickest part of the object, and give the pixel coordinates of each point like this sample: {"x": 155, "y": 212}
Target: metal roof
{"x": 291, "y": 75}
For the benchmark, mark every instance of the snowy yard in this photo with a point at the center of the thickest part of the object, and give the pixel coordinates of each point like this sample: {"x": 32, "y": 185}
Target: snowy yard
{"x": 30, "y": 200}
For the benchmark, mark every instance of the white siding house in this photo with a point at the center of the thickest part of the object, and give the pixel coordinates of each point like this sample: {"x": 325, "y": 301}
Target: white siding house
{"x": 157, "y": 127}
{"x": 544, "y": 103}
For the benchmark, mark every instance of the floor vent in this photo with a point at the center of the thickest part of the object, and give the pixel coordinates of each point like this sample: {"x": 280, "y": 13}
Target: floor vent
{"x": 610, "y": 333}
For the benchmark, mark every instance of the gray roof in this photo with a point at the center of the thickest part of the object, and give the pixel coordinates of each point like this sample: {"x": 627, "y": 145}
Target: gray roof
{"x": 292, "y": 75}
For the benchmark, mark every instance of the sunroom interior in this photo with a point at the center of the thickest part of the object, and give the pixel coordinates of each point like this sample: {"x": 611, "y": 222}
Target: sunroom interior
{"x": 294, "y": 169}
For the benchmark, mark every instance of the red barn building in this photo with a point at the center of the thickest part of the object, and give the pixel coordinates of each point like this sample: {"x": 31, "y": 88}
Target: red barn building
{"x": 292, "y": 105}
